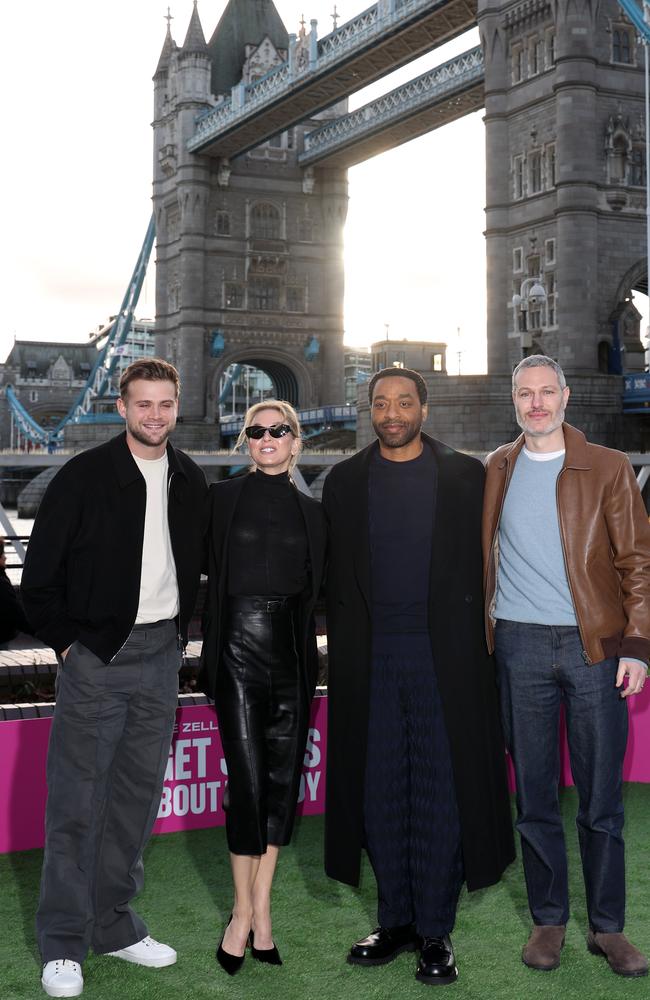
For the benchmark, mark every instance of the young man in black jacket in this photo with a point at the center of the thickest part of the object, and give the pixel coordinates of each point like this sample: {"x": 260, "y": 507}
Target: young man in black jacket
{"x": 110, "y": 582}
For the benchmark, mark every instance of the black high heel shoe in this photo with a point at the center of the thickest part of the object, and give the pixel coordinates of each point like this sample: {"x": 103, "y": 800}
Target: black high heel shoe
{"x": 229, "y": 963}
{"x": 269, "y": 955}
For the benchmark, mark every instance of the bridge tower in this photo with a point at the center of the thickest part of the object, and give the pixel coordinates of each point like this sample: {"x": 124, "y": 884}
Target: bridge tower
{"x": 249, "y": 252}
{"x": 565, "y": 182}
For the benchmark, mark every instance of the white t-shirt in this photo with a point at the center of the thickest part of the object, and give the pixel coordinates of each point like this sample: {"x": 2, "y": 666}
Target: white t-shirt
{"x": 158, "y": 584}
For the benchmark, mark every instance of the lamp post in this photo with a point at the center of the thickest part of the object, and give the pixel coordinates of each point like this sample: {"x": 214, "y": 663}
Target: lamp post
{"x": 532, "y": 296}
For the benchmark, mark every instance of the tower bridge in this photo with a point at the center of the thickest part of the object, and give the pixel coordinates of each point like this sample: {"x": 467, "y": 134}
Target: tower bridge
{"x": 319, "y": 73}
{"x": 436, "y": 98}
{"x": 251, "y": 147}
{"x": 250, "y": 192}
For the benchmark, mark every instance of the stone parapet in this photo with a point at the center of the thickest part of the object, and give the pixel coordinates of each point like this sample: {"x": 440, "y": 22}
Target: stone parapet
{"x": 474, "y": 413}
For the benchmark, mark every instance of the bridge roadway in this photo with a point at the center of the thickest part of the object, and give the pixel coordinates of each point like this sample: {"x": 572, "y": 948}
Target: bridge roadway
{"x": 435, "y": 98}
{"x": 382, "y": 38}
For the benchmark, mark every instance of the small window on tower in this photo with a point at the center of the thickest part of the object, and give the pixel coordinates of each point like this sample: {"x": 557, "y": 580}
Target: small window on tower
{"x": 222, "y": 223}
{"x": 518, "y": 176}
{"x": 623, "y": 45}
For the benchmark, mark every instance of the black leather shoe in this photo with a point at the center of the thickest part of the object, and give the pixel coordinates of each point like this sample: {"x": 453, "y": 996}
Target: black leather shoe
{"x": 437, "y": 965}
{"x": 269, "y": 955}
{"x": 383, "y": 945}
{"x": 229, "y": 963}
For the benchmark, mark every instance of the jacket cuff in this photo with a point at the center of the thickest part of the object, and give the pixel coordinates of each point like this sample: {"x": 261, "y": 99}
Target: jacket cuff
{"x": 635, "y": 647}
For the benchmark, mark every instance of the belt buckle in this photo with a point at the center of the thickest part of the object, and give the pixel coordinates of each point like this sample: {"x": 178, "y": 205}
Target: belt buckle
{"x": 273, "y": 606}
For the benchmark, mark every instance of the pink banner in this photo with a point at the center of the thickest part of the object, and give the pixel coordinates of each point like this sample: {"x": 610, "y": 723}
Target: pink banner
{"x": 195, "y": 778}
{"x": 196, "y": 773}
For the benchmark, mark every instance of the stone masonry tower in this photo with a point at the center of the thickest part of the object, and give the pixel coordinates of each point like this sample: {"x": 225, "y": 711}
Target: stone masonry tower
{"x": 249, "y": 252}
{"x": 565, "y": 182}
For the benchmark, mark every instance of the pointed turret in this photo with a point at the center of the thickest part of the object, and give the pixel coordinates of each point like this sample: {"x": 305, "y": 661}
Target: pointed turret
{"x": 168, "y": 47}
{"x": 195, "y": 39}
{"x": 243, "y": 22}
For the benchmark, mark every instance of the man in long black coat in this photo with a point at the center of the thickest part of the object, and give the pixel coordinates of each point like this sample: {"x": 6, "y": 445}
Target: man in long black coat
{"x": 416, "y": 769}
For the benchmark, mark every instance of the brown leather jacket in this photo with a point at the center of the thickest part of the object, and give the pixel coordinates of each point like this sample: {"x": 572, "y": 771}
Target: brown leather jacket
{"x": 605, "y": 538}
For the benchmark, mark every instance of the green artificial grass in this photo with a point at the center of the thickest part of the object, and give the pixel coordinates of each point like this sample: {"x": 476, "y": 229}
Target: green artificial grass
{"x": 188, "y": 896}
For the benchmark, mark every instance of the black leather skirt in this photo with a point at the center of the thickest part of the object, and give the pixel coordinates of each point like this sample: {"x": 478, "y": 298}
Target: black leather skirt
{"x": 263, "y": 721}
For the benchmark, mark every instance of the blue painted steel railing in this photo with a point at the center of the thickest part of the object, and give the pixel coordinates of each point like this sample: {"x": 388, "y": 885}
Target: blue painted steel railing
{"x": 99, "y": 380}
{"x": 321, "y": 415}
{"x": 635, "y": 15}
{"x": 245, "y": 99}
{"x": 434, "y": 85}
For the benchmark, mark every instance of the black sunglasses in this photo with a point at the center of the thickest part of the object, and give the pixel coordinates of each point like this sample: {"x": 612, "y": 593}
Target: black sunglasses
{"x": 275, "y": 430}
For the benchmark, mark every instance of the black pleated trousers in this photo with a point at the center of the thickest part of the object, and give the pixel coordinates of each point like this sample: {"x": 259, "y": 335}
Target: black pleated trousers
{"x": 263, "y": 718}
{"x": 411, "y": 820}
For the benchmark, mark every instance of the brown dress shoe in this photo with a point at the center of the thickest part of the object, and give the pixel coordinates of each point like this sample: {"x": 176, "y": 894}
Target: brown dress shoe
{"x": 624, "y": 959}
{"x": 543, "y": 948}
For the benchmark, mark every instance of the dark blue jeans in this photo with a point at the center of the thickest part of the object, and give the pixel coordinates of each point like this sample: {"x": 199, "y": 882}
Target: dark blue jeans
{"x": 541, "y": 667}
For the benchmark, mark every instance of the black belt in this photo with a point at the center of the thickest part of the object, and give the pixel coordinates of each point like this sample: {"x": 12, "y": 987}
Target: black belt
{"x": 266, "y": 604}
{"x": 158, "y": 624}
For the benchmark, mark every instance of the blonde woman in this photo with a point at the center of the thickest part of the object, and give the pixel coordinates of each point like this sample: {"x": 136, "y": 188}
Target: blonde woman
{"x": 266, "y": 550}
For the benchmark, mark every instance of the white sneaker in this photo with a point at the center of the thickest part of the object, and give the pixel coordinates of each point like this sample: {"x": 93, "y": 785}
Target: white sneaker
{"x": 146, "y": 952}
{"x": 62, "y": 978}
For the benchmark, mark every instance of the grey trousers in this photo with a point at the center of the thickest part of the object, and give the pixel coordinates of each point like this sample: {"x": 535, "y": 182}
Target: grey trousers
{"x": 108, "y": 750}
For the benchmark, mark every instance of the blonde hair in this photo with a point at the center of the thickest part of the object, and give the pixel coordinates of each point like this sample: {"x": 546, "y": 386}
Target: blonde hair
{"x": 289, "y": 416}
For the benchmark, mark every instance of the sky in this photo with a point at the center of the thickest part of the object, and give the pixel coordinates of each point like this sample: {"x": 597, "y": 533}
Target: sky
{"x": 77, "y": 167}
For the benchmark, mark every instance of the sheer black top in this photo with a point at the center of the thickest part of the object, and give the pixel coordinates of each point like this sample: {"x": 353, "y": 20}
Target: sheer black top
{"x": 268, "y": 552}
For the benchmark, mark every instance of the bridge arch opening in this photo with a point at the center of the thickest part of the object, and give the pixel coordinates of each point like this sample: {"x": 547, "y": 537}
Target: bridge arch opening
{"x": 239, "y": 384}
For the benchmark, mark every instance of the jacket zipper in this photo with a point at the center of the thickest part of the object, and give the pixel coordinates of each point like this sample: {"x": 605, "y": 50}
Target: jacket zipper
{"x": 179, "y": 638}
{"x": 585, "y": 655}
{"x": 493, "y": 556}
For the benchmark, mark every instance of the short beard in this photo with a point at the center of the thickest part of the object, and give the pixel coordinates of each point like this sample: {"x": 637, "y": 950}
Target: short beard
{"x": 137, "y": 436}
{"x": 409, "y": 434}
{"x": 559, "y": 420}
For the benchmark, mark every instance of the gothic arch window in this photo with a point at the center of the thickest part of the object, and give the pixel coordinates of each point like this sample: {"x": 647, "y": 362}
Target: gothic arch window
{"x": 535, "y": 171}
{"x": 518, "y": 177}
{"x": 637, "y": 167}
{"x": 296, "y": 298}
{"x": 233, "y": 295}
{"x": 536, "y": 56}
{"x": 623, "y": 45}
{"x": 263, "y": 294}
{"x": 550, "y": 47}
{"x": 305, "y": 229}
{"x": 265, "y": 222}
{"x": 222, "y": 223}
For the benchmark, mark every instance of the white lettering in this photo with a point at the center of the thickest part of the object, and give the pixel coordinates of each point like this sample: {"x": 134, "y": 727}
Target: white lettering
{"x": 181, "y": 800}
{"x": 165, "y": 807}
{"x": 313, "y": 754}
{"x": 197, "y": 799}
{"x": 201, "y": 745}
{"x": 181, "y": 759}
{"x": 312, "y": 781}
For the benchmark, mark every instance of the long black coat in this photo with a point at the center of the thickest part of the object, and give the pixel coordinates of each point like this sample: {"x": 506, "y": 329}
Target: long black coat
{"x": 222, "y": 503}
{"x": 464, "y": 670}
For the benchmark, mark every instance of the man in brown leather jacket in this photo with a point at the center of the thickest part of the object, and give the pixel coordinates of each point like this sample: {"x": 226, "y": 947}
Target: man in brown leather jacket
{"x": 566, "y": 544}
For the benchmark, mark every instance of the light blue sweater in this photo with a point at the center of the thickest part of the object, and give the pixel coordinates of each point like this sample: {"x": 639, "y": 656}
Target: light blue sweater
{"x": 532, "y": 583}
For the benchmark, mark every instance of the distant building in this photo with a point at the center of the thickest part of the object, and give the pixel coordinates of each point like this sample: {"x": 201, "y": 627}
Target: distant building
{"x": 357, "y": 368}
{"x": 48, "y": 376}
{"x": 420, "y": 355}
